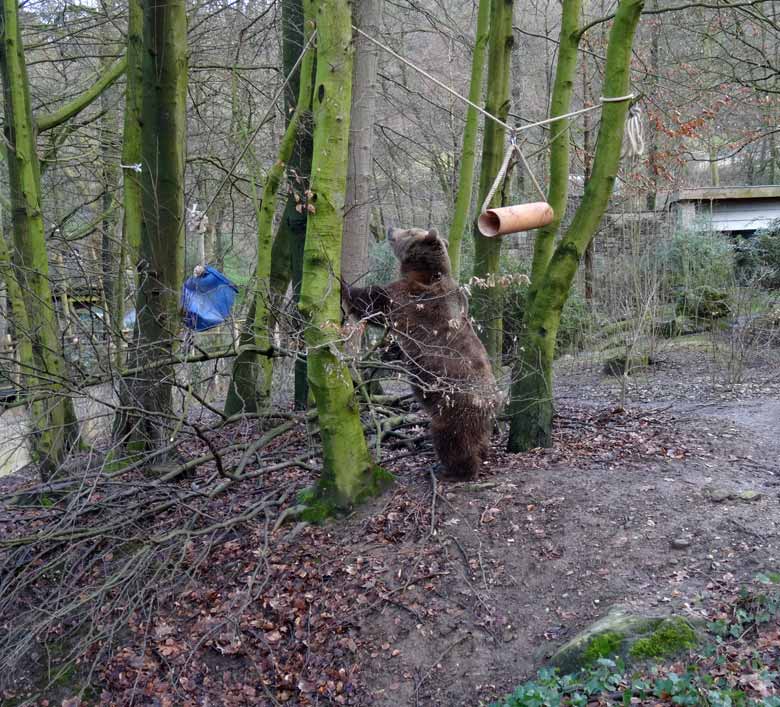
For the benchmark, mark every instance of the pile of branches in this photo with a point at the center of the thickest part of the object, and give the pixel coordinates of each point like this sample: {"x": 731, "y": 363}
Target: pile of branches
{"x": 88, "y": 553}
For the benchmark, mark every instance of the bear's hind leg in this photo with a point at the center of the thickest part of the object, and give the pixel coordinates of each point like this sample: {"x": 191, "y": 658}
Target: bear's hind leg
{"x": 458, "y": 452}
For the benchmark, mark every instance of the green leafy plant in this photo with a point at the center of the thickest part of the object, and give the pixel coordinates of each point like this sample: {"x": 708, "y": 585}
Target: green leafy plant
{"x": 695, "y": 258}
{"x": 758, "y": 258}
{"x": 703, "y": 303}
{"x": 577, "y": 318}
{"x": 608, "y": 682}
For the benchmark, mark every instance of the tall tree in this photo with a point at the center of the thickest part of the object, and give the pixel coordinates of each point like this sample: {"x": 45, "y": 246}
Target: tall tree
{"x": 42, "y": 363}
{"x": 487, "y": 251}
{"x": 354, "y": 248}
{"x": 132, "y": 214}
{"x": 468, "y": 152}
{"x": 554, "y": 268}
{"x": 251, "y": 382}
{"x": 160, "y": 259}
{"x": 287, "y": 249}
{"x": 348, "y": 473}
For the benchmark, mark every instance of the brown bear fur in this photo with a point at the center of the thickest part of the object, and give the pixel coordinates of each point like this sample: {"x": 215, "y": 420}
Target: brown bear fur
{"x": 449, "y": 368}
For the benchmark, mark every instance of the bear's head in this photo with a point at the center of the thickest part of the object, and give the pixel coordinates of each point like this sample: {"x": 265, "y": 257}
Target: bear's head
{"x": 420, "y": 251}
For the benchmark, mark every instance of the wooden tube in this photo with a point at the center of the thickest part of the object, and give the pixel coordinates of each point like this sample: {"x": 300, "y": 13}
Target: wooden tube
{"x": 511, "y": 219}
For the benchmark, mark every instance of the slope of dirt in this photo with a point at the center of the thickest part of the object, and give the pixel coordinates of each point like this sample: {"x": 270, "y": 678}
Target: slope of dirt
{"x": 542, "y": 549}
{"x": 453, "y": 597}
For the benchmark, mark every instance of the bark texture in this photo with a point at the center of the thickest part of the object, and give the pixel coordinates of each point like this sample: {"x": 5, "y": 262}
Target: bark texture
{"x": 348, "y": 473}
{"x": 354, "y": 247}
{"x": 161, "y": 251}
{"x": 42, "y": 364}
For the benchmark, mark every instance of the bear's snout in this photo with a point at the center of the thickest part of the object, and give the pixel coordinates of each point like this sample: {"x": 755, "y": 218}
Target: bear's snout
{"x": 391, "y": 234}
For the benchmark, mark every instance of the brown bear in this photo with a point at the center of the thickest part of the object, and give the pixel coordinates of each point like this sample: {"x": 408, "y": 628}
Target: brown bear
{"x": 449, "y": 369}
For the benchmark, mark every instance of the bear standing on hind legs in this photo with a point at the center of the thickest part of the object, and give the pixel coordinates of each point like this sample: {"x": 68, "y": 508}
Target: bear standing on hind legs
{"x": 448, "y": 365}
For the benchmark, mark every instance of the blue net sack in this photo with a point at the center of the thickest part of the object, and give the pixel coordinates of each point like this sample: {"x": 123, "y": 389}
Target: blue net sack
{"x": 206, "y": 300}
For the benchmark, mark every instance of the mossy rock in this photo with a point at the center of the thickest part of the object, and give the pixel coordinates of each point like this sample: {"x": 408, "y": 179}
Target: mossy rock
{"x": 679, "y": 326}
{"x": 703, "y": 303}
{"x": 631, "y": 637}
{"x": 628, "y": 365}
{"x": 673, "y": 635}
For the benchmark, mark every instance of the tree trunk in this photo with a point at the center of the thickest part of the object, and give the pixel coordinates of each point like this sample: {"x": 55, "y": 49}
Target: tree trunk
{"x": 287, "y": 250}
{"x": 531, "y": 406}
{"x": 468, "y": 153}
{"x": 587, "y": 130}
{"x": 247, "y": 393}
{"x": 130, "y": 245}
{"x": 652, "y": 129}
{"x": 354, "y": 248}
{"x": 560, "y": 156}
{"x": 348, "y": 473}
{"x": 16, "y": 308}
{"x": 487, "y": 251}
{"x": 161, "y": 254}
{"x": 108, "y": 252}
{"x": 51, "y": 411}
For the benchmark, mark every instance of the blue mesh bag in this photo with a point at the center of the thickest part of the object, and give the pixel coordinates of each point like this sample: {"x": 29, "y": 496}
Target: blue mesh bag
{"x": 207, "y": 299}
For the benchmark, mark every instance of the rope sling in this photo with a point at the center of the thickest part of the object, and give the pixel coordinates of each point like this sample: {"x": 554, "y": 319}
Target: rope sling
{"x": 521, "y": 217}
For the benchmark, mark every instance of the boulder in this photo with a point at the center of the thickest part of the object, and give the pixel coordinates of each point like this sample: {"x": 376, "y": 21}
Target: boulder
{"x": 631, "y": 637}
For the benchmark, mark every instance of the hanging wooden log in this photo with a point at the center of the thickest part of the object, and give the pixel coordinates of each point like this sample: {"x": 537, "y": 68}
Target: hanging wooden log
{"x": 513, "y": 219}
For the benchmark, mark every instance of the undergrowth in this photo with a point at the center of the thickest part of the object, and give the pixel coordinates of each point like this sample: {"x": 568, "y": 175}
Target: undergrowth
{"x": 739, "y": 668}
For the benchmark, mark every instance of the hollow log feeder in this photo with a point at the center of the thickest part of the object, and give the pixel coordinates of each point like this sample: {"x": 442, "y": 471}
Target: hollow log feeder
{"x": 513, "y": 219}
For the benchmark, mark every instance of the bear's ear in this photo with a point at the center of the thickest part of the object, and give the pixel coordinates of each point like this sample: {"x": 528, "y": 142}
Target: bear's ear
{"x": 433, "y": 235}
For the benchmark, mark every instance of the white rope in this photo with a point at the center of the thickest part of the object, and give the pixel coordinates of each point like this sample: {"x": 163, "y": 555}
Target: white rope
{"x": 636, "y": 140}
{"x": 634, "y": 126}
{"x": 499, "y": 177}
{"x": 453, "y": 92}
{"x": 512, "y": 149}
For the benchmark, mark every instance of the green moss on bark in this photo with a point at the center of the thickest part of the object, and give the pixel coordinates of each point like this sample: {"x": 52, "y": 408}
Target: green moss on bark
{"x": 531, "y": 420}
{"x": 469, "y": 149}
{"x": 326, "y": 501}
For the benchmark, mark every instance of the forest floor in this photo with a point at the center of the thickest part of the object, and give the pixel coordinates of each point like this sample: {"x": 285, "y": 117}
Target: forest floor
{"x": 454, "y": 597}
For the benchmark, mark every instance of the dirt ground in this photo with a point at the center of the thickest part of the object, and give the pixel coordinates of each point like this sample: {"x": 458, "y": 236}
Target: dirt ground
{"x": 548, "y": 542}
{"x": 454, "y": 597}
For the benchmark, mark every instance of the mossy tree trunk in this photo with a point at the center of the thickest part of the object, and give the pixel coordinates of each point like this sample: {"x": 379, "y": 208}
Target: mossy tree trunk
{"x": 132, "y": 212}
{"x": 250, "y": 384}
{"x": 487, "y": 251}
{"x": 348, "y": 472}
{"x": 287, "y": 249}
{"x": 42, "y": 364}
{"x": 131, "y": 148}
{"x": 17, "y": 309}
{"x": 468, "y": 152}
{"x": 531, "y": 406}
{"x": 160, "y": 258}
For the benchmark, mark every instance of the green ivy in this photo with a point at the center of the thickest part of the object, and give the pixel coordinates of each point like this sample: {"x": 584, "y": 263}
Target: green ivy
{"x": 606, "y": 679}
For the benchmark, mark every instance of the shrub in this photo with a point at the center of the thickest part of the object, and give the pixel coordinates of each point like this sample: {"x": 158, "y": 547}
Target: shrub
{"x": 577, "y": 319}
{"x": 693, "y": 259}
{"x": 758, "y": 258}
{"x": 703, "y": 302}
{"x": 383, "y": 266}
